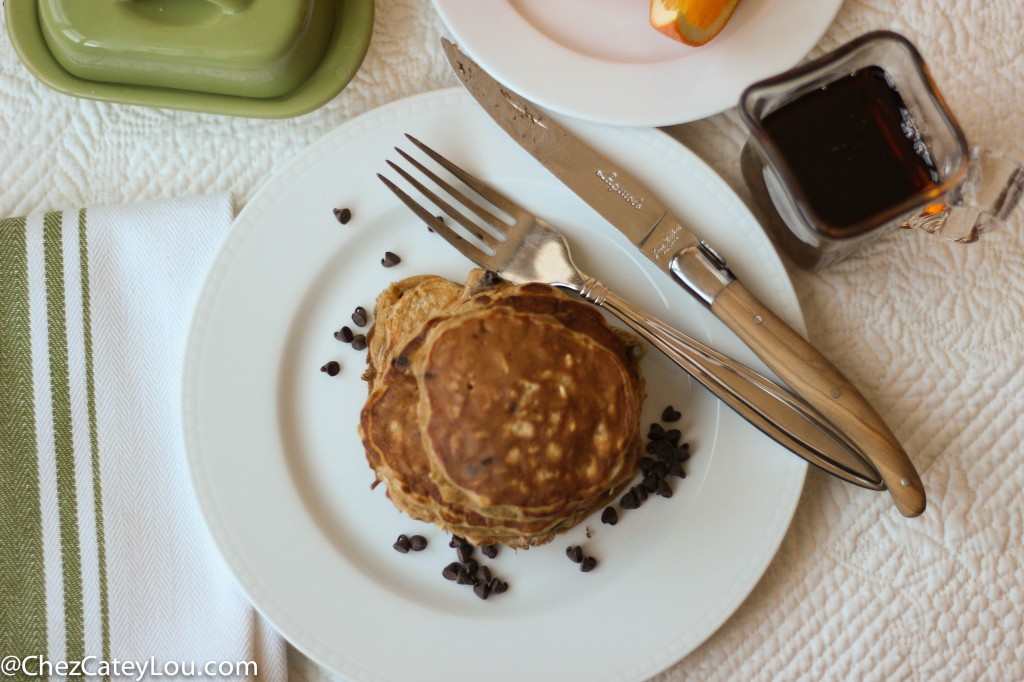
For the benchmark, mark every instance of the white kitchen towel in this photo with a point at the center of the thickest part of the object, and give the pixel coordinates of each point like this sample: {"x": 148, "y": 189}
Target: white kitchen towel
{"x": 104, "y": 557}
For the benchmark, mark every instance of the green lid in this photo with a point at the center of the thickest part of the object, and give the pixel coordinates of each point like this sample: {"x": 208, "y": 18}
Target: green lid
{"x": 267, "y": 58}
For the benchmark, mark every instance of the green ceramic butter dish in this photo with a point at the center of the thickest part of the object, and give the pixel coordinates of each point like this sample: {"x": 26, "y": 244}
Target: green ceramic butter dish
{"x": 256, "y": 58}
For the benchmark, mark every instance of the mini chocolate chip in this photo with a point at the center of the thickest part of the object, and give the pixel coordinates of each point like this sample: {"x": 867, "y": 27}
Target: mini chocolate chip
{"x": 359, "y": 316}
{"x": 402, "y": 544}
{"x": 464, "y": 577}
{"x": 451, "y": 571}
{"x": 471, "y": 567}
{"x": 661, "y": 468}
{"x": 664, "y": 489}
{"x": 457, "y": 541}
{"x": 331, "y": 368}
{"x": 656, "y": 432}
{"x": 650, "y": 483}
{"x": 682, "y": 453}
{"x": 402, "y": 362}
{"x": 673, "y": 436}
{"x": 609, "y": 516}
{"x": 482, "y": 590}
{"x": 489, "y": 551}
{"x": 670, "y": 414}
{"x": 343, "y": 215}
{"x": 491, "y": 278}
{"x": 646, "y": 465}
{"x": 464, "y": 552}
{"x": 417, "y": 543}
{"x": 344, "y": 335}
{"x": 640, "y": 492}
{"x": 629, "y": 501}
{"x": 390, "y": 259}
{"x": 575, "y": 553}
{"x": 676, "y": 470}
{"x": 661, "y": 449}
{"x": 484, "y": 574}
{"x": 498, "y": 586}
{"x": 359, "y": 342}
{"x": 588, "y": 564}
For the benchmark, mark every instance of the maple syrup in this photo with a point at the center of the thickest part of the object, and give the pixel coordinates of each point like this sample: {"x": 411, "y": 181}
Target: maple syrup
{"x": 852, "y": 148}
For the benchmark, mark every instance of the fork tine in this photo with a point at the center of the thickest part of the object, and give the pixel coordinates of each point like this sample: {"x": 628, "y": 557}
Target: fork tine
{"x": 492, "y": 195}
{"x": 453, "y": 212}
{"x": 492, "y": 221}
{"x": 466, "y": 248}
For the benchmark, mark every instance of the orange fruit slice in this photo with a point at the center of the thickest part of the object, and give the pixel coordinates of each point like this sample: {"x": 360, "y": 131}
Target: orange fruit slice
{"x": 693, "y": 22}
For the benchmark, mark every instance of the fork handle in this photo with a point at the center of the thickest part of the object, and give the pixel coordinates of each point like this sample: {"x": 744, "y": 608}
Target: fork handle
{"x": 772, "y": 408}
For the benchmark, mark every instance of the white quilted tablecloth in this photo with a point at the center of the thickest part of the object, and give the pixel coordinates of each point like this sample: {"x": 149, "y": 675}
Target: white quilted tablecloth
{"x": 932, "y": 334}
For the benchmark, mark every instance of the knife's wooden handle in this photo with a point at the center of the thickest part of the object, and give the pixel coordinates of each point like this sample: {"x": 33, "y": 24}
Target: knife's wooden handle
{"x": 817, "y": 380}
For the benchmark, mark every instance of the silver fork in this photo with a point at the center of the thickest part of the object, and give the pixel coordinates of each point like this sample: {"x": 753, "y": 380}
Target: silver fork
{"x": 530, "y": 250}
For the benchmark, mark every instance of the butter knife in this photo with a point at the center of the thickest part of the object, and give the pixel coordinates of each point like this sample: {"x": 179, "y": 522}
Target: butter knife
{"x": 625, "y": 203}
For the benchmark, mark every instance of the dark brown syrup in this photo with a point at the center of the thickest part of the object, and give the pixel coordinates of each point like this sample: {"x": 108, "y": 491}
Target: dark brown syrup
{"x": 852, "y": 147}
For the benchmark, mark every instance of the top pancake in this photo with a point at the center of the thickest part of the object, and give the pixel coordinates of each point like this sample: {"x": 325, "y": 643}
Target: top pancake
{"x": 522, "y": 415}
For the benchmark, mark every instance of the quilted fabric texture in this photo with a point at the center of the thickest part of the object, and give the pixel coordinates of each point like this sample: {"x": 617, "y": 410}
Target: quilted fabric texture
{"x": 933, "y": 334}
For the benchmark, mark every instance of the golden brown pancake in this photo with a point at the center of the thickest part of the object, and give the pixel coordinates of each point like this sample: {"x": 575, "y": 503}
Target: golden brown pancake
{"x": 501, "y": 414}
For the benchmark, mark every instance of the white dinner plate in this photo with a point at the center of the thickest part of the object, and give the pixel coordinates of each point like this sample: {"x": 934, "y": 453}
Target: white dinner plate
{"x": 601, "y": 61}
{"x": 281, "y": 476}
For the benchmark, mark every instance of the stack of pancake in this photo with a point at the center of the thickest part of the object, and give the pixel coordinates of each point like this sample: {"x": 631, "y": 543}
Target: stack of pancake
{"x": 499, "y": 413}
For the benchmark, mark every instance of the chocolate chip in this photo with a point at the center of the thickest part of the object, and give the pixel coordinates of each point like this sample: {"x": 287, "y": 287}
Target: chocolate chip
{"x": 646, "y": 465}
{"x": 359, "y": 342}
{"x": 650, "y": 483}
{"x": 402, "y": 362}
{"x": 673, "y": 436}
{"x": 457, "y": 541}
{"x": 588, "y": 564}
{"x": 451, "y": 571}
{"x": 390, "y": 260}
{"x": 343, "y": 215}
{"x": 661, "y": 449}
{"x": 664, "y": 489}
{"x": 682, "y": 453}
{"x": 575, "y": 553}
{"x": 491, "y": 278}
{"x": 331, "y": 368}
{"x": 661, "y": 468}
{"x": 676, "y": 470}
{"x": 359, "y": 316}
{"x": 471, "y": 567}
{"x": 464, "y": 578}
{"x": 670, "y": 415}
{"x": 498, "y": 586}
{"x": 489, "y": 551}
{"x": 640, "y": 492}
{"x": 483, "y": 574}
{"x": 629, "y": 501}
{"x": 344, "y": 334}
{"x": 417, "y": 543}
{"x": 656, "y": 432}
{"x": 482, "y": 590}
{"x": 609, "y": 516}
{"x": 464, "y": 552}
{"x": 402, "y": 544}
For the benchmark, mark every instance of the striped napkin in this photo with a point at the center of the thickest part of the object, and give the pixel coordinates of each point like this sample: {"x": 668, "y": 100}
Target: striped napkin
{"x": 104, "y": 556}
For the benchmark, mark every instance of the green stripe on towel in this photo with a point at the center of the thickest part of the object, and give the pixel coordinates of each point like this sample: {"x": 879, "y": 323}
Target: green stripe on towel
{"x": 60, "y": 387}
{"x": 22, "y": 580}
{"x": 94, "y": 442}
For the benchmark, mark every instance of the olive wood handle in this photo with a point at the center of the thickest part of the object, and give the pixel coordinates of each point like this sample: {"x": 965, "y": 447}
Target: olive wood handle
{"x": 824, "y": 387}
